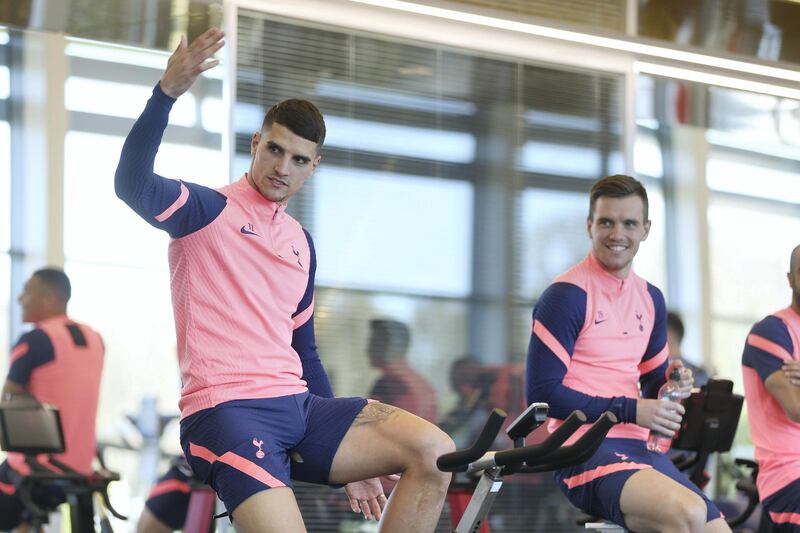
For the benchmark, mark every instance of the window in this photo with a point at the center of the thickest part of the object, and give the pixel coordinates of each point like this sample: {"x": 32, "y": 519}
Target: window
{"x": 5, "y": 204}
{"x": 379, "y": 218}
{"x": 553, "y": 236}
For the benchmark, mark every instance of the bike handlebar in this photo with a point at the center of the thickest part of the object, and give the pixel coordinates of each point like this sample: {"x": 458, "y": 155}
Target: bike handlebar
{"x": 546, "y": 455}
{"x": 458, "y": 460}
{"x": 525, "y": 453}
{"x": 70, "y": 481}
{"x": 576, "y": 453}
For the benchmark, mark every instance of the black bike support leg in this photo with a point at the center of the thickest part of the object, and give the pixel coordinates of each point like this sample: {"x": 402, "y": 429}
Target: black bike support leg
{"x": 481, "y": 501}
{"x": 81, "y": 512}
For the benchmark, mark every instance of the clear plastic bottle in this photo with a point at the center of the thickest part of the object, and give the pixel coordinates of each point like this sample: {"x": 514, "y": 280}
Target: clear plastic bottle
{"x": 656, "y": 441}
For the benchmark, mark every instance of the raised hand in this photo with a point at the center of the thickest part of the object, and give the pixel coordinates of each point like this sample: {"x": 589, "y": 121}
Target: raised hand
{"x": 187, "y": 62}
{"x": 660, "y": 415}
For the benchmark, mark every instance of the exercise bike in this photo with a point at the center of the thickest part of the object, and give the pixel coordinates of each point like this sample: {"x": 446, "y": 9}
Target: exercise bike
{"x": 493, "y": 466}
{"x": 34, "y": 430}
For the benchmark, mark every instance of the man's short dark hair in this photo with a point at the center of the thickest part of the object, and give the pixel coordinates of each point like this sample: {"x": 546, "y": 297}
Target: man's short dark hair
{"x": 794, "y": 258}
{"x": 57, "y": 281}
{"x": 675, "y": 323}
{"x": 301, "y": 116}
{"x": 396, "y": 333}
{"x": 617, "y": 186}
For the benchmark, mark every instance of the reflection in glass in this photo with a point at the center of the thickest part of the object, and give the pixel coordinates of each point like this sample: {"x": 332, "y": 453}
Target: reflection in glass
{"x": 767, "y": 30}
{"x": 438, "y": 336}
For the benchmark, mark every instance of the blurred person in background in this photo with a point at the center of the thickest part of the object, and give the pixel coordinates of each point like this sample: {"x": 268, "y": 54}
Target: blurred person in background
{"x": 59, "y": 362}
{"x": 675, "y": 332}
{"x": 399, "y": 384}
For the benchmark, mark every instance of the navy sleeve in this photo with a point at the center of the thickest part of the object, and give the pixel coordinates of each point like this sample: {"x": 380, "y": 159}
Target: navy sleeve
{"x": 558, "y": 319}
{"x": 653, "y": 368}
{"x": 177, "y": 207}
{"x": 768, "y": 345}
{"x": 33, "y": 350}
{"x": 303, "y": 338}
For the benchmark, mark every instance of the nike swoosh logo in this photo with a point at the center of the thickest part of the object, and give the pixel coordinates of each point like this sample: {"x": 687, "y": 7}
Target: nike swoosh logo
{"x": 248, "y": 232}
{"x": 600, "y": 321}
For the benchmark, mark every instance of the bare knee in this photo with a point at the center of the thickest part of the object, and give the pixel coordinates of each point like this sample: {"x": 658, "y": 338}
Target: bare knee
{"x": 427, "y": 444}
{"x": 688, "y": 513}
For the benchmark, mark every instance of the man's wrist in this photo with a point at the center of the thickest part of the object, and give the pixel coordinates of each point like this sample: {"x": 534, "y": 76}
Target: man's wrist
{"x": 625, "y": 409}
{"x": 160, "y": 88}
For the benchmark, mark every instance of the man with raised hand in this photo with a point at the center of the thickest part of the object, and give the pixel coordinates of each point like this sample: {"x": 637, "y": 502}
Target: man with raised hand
{"x": 771, "y": 371}
{"x": 599, "y": 343}
{"x": 254, "y": 392}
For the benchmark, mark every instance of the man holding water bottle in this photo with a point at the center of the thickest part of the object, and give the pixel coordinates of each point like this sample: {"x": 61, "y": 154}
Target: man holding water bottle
{"x": 599, "y": 343}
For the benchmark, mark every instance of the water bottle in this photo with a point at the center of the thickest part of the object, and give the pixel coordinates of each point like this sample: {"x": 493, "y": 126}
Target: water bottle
{"x": 657, "y": 441}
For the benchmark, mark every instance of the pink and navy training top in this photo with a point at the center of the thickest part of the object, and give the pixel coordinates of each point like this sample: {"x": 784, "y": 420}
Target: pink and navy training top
{"x": 60, "y": 363}
{"x": 598, "y": 343}
{"x": 242, "y": 277}
{"x": 771, "y": 342}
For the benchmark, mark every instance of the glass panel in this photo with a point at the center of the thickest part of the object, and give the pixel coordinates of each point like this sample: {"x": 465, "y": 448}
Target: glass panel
{"x": 103, "y": 98}
{"x": 5, "y": 311}
{"x": 754, "y": 122}
{"x": 5, "y": 82}
{"x": 131, "y": 308}
{"x": 91, "y": 207}
{"x": 647, "y": 155}
{"x": 565, "y": 160}
{"x": 731, "y": 173}
{"x": 727, "y": 343}
{"x": 118, "y": 54}
{"x": 5, "y": 186}
{"x": 747, "y": 245}
{"x": 438, "y": 330}
{"x": 651, "y": 260}
{"x": 213, "y": 115}
{"x": 97, "y": 225}
{"x": 368, "y": 136}
{"x": 402, "y": 233}
{"x": 758, "y": 30}
{"x": 553, "y": 236}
